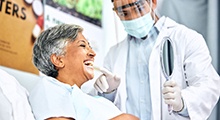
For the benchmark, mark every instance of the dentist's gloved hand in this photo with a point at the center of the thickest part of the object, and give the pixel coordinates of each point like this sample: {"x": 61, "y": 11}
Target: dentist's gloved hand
{"x": 172, "y": 95}
{"x": 107, "y": 82}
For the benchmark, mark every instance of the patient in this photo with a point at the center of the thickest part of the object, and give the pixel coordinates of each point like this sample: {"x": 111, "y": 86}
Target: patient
{"x": 64, "y": 55}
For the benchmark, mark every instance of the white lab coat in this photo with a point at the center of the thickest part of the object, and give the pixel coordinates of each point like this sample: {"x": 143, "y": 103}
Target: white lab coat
{"x": 192, "y": 63}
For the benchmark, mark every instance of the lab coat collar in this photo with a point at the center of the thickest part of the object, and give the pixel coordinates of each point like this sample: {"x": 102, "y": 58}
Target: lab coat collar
{"x": 164, "y": 26}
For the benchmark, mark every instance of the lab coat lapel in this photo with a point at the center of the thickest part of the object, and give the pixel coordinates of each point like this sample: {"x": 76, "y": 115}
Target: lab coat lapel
{"x": 120, "y": 69}
{"x": 155, "y": 83}
{"x": 155, "y": 74}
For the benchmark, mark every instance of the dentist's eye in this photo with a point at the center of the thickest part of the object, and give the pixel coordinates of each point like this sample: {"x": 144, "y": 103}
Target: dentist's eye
{"x": 123, "y": 14}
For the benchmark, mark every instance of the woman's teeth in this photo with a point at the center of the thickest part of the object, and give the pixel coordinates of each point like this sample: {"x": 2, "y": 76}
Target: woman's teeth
{"x": 89, "y": 63}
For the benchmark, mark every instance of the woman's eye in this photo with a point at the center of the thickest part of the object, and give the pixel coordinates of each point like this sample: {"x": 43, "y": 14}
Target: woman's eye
{"x": 82, "y": 45}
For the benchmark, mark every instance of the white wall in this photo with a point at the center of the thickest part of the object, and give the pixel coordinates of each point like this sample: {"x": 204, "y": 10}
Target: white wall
{"x": 113, "y": 28}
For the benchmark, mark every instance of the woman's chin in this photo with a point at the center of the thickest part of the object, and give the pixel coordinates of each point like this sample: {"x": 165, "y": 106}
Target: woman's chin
{"x": 89, "y": 72}
{"x": 90, "y": 77}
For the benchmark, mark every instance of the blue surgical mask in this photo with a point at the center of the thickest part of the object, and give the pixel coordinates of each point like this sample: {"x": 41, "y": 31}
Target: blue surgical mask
{"x": 139, "y": 27}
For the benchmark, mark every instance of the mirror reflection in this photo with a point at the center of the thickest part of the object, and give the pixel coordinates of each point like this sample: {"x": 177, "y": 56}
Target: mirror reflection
{"x": 167, "y": 57}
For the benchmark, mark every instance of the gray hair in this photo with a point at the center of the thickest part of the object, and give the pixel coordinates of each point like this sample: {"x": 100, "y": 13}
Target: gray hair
{"x": 53, "y": 41}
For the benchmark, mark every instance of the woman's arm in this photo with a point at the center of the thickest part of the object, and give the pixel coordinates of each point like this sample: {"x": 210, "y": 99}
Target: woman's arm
{"x": 125, "y": 117}
{"x": 60, "y": 118}
{"x": 119, "y": 117}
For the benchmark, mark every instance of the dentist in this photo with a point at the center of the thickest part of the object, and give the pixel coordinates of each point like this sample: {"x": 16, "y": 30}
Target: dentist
{"x": 132, "y": 76}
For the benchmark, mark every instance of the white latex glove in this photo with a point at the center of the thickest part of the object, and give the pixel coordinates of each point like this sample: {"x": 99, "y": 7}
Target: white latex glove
{"x": 172, "y": 95}
{"x": 107, "y": 82}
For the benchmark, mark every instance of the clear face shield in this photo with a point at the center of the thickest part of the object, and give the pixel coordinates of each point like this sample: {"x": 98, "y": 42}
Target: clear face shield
{"x": 131, "y": 9}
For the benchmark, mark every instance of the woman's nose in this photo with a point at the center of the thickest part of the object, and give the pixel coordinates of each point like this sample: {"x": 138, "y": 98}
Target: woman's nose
{"x": 92, "y": 53}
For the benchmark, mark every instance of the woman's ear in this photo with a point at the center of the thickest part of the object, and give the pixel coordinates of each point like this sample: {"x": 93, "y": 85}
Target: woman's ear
{"x": 57, "y": 60}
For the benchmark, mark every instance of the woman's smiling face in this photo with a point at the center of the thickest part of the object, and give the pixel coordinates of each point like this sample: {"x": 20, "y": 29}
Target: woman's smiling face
{"x": 78, "y": 60}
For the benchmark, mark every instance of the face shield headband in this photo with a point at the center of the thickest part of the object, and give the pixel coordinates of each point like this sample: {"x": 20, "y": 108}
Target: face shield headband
{"x": 127, "y": 10}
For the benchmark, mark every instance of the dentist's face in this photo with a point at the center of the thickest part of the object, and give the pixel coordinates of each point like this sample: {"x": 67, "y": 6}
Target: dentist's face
{"x": 131, "y": 9}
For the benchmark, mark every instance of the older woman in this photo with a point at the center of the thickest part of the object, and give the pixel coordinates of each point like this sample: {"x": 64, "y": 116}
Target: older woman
{"x": 64, "y": 55}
